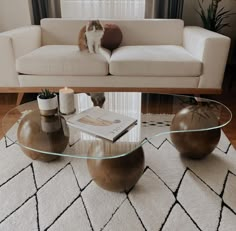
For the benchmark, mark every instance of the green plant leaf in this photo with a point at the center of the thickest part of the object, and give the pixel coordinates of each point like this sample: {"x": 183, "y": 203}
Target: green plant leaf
{"x": 222, "y": 26}
{"x": 46, "y": 94}
{"x": 222, "y": 13}
{"x": 213, "y": 17}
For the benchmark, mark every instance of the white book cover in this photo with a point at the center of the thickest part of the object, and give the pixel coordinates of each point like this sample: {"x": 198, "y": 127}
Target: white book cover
{"x": 102, "y": 123}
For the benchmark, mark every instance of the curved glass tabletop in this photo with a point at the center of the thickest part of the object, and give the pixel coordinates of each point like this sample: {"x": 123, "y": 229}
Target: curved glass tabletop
{"x": 23, "y": 125}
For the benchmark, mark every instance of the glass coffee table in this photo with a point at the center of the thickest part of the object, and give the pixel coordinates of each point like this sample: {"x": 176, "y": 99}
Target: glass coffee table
{"x": 194, "y": 125}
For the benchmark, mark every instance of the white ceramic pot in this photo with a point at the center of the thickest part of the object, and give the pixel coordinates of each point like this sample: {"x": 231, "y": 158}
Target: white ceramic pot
{"x": 48, "y": 107}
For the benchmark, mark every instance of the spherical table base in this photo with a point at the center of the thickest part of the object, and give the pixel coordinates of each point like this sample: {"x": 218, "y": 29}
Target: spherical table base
{"x": 42, "y": 133}
{"x": 196, "y": 145}
{"x": 118, "y": 174}
{"x": 206, "y": 135}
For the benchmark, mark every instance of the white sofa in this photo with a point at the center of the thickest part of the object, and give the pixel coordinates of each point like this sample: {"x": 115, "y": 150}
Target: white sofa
{"x": 158, "y": 55}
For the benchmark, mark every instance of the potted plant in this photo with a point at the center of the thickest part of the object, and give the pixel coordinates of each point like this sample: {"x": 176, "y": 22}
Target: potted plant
{"x": 47, "y": 102}
{"x": 214, "y": 17}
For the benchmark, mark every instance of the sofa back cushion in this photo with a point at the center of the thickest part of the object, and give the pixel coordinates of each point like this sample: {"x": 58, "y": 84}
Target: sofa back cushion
{"x": 135, "y": 32}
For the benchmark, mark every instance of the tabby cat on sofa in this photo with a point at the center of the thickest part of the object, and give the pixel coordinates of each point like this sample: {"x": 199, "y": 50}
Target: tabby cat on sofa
{"x": 90, "y": 36}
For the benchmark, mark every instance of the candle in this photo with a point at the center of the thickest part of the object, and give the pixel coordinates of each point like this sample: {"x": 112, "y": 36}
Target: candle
{"x": 66, "y": 100}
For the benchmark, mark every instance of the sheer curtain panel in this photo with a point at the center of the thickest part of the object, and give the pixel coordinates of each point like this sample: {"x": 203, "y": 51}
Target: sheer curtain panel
{"x": 103, "y": 9}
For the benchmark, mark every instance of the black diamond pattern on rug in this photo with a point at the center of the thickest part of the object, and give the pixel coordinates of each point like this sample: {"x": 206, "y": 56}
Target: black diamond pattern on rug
{"x": 172, "y": 192}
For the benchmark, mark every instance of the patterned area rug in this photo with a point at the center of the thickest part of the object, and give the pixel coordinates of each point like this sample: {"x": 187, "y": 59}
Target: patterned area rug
{"x": 173, "y": 193}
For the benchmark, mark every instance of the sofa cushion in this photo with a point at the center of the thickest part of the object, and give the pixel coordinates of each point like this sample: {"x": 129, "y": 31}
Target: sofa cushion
{"x": 163, "y": 60}
{"x": 63, "y": 60}
{"x": 112, "y": 37}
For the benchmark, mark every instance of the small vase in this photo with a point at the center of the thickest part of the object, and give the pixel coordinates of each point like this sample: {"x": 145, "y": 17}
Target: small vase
{"x": 48, "y": 107}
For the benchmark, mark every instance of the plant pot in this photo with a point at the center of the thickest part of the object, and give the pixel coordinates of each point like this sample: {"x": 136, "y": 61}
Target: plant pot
{"x": 195, "y": 144}
{"x": 48, "y": 107}
{"x": 50, "y": 124}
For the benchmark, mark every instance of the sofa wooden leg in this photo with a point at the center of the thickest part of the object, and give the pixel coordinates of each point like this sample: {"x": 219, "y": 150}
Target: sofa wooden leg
{"x": 19, "y": 98}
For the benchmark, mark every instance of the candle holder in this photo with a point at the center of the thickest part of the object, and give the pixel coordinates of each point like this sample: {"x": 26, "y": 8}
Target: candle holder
{"x": 66, "y": 101}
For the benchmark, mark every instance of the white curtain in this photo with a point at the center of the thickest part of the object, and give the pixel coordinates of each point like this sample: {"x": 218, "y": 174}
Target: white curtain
{"x": 103, "y": 9}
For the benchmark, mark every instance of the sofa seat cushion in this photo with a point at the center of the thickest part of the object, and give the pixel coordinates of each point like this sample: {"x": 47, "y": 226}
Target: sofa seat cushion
{"x": 157, "y": 60}
{"x": 63, "y": 60}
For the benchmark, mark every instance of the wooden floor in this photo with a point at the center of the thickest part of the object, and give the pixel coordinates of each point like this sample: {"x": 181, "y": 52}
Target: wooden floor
{"x": 7, "y": 101}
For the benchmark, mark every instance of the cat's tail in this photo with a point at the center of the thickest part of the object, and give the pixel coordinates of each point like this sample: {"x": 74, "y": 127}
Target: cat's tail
{"x": 82, "y": 42}
{"x": 82, "y": 46}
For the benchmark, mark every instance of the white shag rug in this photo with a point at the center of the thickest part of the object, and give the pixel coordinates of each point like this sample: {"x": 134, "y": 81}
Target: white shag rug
{"x": 173, "y": 194}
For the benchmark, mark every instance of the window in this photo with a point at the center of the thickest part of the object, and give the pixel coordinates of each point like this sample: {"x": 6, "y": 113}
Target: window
{"x": 103, "y": 9}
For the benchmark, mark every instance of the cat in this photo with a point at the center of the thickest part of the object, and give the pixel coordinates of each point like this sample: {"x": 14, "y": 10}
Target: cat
{"x": 90, "y": 36}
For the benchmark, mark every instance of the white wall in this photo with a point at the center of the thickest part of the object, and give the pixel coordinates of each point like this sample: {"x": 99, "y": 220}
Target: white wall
{"x": 14, "y": 13}
{"x": 191, "y": 17}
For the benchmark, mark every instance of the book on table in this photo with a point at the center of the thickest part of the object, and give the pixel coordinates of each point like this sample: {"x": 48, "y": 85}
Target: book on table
{"x": 102, "y": 123}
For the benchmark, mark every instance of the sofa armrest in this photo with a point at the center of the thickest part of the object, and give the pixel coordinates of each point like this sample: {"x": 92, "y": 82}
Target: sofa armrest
{"x": 24, "y": 39}
{"x": 13, "y": 44}
{"x": 212, "y": 50}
